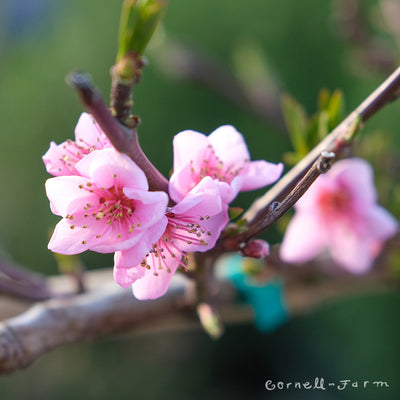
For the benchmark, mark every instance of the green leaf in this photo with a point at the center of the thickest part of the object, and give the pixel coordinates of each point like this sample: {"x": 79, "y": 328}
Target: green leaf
{"x": 291, "y": 158}
{"x": 335, "y": 109}
{"x": 323, "y": 125}
{"x": 297, "y": 123}
{"x": 323, "y": 99}
{"x": 139, "y": 19}
{"x": 234, "y": 212}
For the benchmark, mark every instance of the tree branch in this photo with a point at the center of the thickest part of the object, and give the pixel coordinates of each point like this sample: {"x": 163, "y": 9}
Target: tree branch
{"x": 108, "y": 309}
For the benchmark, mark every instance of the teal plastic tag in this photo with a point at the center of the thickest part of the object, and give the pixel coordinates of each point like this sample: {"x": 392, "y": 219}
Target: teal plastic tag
{"x": 266, "y": 299}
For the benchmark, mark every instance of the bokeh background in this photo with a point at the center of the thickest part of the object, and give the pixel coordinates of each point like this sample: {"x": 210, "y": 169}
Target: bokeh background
{"x": 304, "y": 46}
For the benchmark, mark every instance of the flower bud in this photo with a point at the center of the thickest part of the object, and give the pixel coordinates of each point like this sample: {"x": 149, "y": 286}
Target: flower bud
{"x": 257, "y": 248}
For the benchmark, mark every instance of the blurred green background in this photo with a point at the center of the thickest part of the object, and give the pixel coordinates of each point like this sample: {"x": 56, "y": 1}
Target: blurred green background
{"x": 305, "y": 48}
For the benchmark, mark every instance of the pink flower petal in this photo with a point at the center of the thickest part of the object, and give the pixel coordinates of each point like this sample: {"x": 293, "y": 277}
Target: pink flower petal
{"x": 351, "y": 250}
{"x": 64, "y": 189}
{"x": 212, "y": 226}
{"x": 68, "y": 241}
{"x": 202, "y": 200}
{"x": 181, "y": 183}
{"x": 149, "y": 206}
{"x": 356, "y": 175}
{"x": 132, "y": 257}
{"x": 107, "y": 168}
{"x": 229, "y": 145}
{"x": 125, "y": 277}
{"x": 304, "y": 239}
{"x": 380, "y": 223}
{"x": 155, "y": 282}
{"x": 309, "y": 202}
{"x": 54, "y": 160}
{"x": 187, "y": 145}
{"x": 257, "y": 174}
{"x": 88, "y": 134}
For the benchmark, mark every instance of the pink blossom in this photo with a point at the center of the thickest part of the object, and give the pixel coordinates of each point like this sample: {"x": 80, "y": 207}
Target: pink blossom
{"x": 106, "y": 208}
{"x": 60, "y": 159}
{"x": 223, "y": 156}
{"x": 194, "y": 224}
{"x": 339, "y": 213}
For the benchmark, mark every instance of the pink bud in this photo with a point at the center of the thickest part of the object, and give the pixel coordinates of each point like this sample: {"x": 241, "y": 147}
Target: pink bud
{"x": 256, "y": 248}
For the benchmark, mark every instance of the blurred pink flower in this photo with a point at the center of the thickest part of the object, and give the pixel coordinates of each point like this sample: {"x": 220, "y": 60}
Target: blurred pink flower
{"x": 223, "y": 156}
{"x": 194, "y": 224}
{"x": 339, "y": 213}
{"x": 106, "y": 208}
{"x": 60, "y": 159}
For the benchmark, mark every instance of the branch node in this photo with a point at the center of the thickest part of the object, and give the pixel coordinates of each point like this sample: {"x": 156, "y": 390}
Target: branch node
{"x": 274, "y": 205}
{"x": 325, "y": 161}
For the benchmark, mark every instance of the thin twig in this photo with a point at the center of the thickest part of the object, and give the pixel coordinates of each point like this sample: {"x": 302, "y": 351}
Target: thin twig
{"x": 23, "y": 291}
{"x": 123, "y": 139}
{"x": 277, "y": 209}
{"x": 368, "y": 48}
{"x": 334, "y": 142}
{"x": 13, "y": 271}
{"x": 19, "y": 282}
{"x": 122, "y": 83}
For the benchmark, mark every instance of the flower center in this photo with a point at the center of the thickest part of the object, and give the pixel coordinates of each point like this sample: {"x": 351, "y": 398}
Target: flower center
{"x": 336, "y": 202}
{"x": 212, "y": 166}
{"x": 74, "y": 151}
{"x": 113, "y": 207}
{"x": 179, "y": 228}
